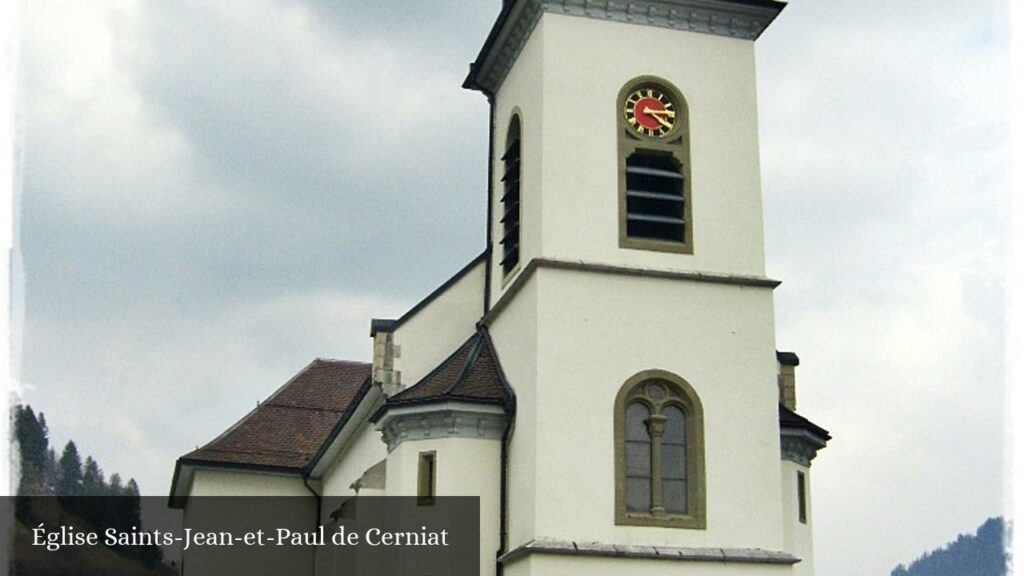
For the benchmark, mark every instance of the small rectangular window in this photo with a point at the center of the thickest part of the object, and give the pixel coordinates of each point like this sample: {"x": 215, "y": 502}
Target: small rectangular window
{"x": 426, "y": 488}
{"x": 801, "y": 497}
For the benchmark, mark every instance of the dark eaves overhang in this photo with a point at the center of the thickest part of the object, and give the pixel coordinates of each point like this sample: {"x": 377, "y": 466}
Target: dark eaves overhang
{"x": 508, "y": 406}
{"x": 184, "y": 469}
{"x": 745, "y": 19}
{"x": 800, "y": 439}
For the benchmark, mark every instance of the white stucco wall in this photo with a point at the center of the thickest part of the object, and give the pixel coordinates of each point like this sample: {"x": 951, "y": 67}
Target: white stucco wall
{"x": 595, "y": 332}
{"x": 433, "y": 333}
{"x": 522, "y": 93}
{"x": 464, "y": 467}
{"x": 298, "y": 513}
{"x": 231, "y": 483}
{"x": 514, "y": 333}
{"x": 798, "y": 536}
{"x": 566, "y": 82}
{"x": 365, "y": 450}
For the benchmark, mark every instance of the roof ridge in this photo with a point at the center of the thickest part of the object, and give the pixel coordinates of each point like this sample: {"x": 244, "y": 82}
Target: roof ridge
{"x": 266, "y": 452}
{"x": 444, "y": 363}
{"x": 298, "y": 407}
{"x": 509, "y": 391}
{"x": 337, "y": 361}
{"x": 471, "y": 359}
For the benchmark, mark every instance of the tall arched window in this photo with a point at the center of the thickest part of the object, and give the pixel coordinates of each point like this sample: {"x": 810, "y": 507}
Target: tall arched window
{"x": 659, "y": 452}
{"x": 510, "y": 179}
{"x": 655, "y": 208}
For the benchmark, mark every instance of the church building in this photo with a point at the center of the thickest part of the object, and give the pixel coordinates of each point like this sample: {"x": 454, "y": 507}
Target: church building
{"x": 604, "y": 375}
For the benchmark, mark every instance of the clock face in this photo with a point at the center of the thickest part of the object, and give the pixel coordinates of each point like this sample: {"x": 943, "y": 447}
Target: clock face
{"x": 650, "y": 111}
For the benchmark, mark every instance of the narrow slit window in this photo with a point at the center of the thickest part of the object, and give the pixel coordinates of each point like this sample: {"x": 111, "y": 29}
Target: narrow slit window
{"x": 801, "y": 497}
{"x": 511, "y": 178}
{"x": 426, "y": 490}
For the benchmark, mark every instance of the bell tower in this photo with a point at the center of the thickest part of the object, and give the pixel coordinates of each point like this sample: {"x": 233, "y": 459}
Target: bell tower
{"x": 571, "y": 79}
{"x": 626, "y": 292}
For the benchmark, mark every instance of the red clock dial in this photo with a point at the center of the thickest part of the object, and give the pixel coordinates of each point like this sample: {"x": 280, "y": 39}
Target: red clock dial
{"x": 646, "y": 110}
{"x": 650, "y": 112}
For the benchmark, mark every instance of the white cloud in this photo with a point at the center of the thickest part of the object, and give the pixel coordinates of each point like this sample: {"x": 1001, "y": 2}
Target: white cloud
{"x": 213, "y": 197}
{"x": 885, "y": 169}
{"x": 137, "y": 393}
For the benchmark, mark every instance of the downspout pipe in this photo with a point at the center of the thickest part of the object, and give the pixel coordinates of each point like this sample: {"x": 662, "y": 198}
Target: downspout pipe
{"x": 319, "y": 505}
{"x": 490, "y": 203}
{"x": 503, "y": 499}
{"x": 319, "y": 498}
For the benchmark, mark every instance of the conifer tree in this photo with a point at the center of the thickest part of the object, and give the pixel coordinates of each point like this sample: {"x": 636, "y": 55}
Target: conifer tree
{"x": 92, "y": 478}
{"x": 45, "y": 478}
{"x": 116, "y": 488}
{"x": 32, "y": 445}
{"x": 51, "y": 472}
{"x": 70, "y": 482}
{"x": 981, "y": 554}
{"x": 68, "y": 478}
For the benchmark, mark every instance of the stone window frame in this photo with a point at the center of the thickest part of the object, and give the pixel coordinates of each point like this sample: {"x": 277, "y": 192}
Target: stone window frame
{"x": 684, "y": 396}
{"x": 426, "y": 478}
{"x": 675, "y": 143}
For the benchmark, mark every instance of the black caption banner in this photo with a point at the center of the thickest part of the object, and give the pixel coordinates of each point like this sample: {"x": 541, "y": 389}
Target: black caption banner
{"x": 225, "y": 536}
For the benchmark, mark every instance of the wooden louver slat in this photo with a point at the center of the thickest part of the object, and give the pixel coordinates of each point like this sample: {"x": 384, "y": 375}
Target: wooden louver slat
{"x": 510, "y": 203}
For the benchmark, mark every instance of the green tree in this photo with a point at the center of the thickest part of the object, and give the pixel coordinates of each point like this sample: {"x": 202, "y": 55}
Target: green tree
{"x": 70, "y": 466}
{"x": 51, "y": 471}
{"x": 981, "y": 554}
{"x": 47, "y": 474}
{"x": 32, "y": 445}
{"x": 92, "y": 479}
{"x": 116, "y": 487}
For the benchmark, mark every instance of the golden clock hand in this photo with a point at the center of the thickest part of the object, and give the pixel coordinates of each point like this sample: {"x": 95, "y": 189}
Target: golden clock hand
{"x": 662, "y": 121}
{"x": 668, "y": 113}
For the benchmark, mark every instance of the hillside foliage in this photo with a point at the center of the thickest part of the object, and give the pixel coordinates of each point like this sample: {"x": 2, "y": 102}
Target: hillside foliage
{"x": 980, "y": 554}
{"x": 78, "y": 485}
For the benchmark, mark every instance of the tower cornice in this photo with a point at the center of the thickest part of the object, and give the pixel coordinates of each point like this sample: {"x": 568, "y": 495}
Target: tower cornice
{"x": 745, "y": 19}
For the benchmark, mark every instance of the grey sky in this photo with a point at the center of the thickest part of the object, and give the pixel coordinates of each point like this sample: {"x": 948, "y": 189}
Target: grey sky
{"x": 209, "y": 200}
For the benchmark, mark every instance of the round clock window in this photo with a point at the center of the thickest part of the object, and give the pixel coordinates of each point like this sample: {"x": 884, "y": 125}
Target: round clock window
{"x": 650, "y": 111}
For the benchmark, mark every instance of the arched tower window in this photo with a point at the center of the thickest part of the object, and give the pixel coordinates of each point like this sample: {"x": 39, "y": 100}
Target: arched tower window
{"x": 655, "y": 208}
{"x": 510, "y": 179}
{"x": 659, "y": 453}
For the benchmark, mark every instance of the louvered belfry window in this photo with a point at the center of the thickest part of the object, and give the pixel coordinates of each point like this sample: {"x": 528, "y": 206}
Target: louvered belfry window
{"x": 656, "y": 209}
{"x": 655, "y": 205}
{"x": 511, "y": 160}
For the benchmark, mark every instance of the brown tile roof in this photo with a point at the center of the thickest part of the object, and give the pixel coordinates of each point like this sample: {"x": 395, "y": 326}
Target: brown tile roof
{"x": 289, "y": 428}
{"x": 790, "y": 419}
{"x": 471, "y": 374}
